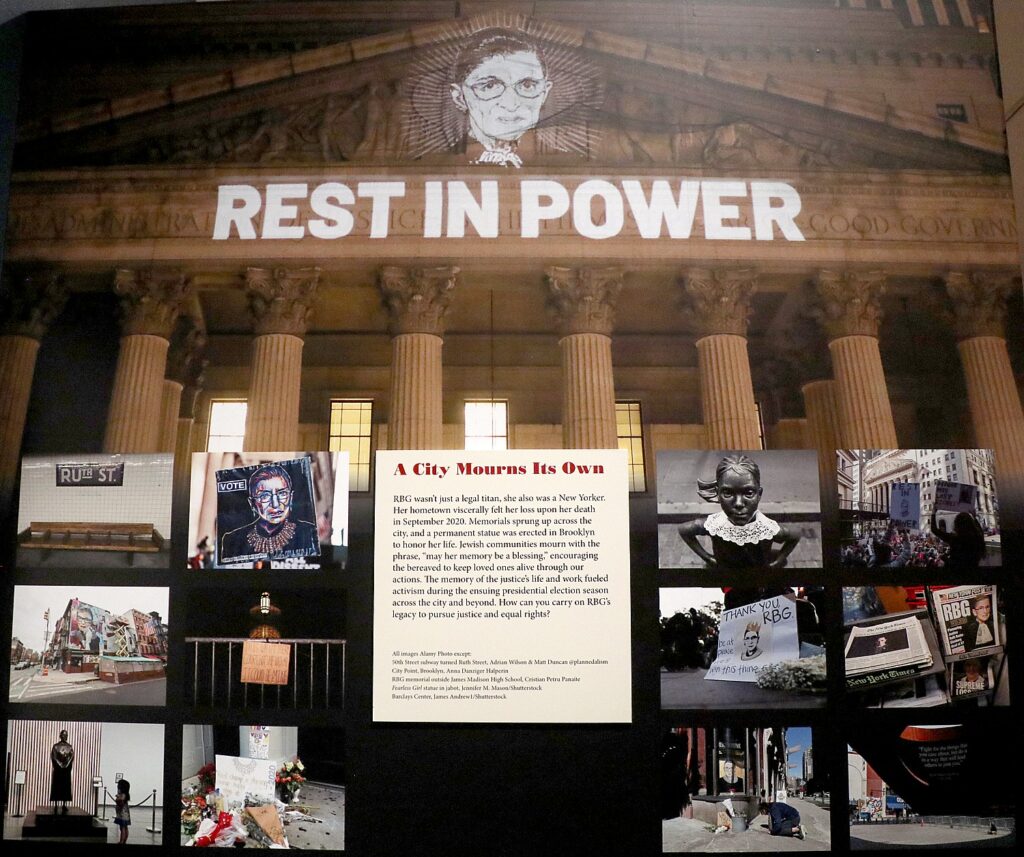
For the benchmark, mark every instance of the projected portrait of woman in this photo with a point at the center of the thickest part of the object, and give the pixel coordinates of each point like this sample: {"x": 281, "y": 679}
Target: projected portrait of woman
{"x": 501, "y": 86}
{"x": 488, "y": 92}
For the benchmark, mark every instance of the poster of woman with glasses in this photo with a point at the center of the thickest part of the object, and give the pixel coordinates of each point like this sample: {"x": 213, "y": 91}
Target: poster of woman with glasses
{"x": 266, "y": 511}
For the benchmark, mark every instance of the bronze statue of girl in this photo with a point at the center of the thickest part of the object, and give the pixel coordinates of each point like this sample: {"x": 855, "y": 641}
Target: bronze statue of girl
{"x": 741, "y": 536}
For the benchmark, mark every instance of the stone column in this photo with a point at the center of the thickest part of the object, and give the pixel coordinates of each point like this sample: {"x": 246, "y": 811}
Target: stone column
{"x": 170, "y": 403}
{"x": 979, "y": 312}
{"x": 185, "y": 368}
{"x": 30, "y": 301}
{"x": 851, "y": 314}
{"x": 720, "y": 303}
{"x": 821, "y": 403}
{"x": 150, "y": 303}
{"x": 788, "y": 433}
{"x": 281, "y": 303}
{"x": 583, "y": 300}
{"x": 416, "y": 300}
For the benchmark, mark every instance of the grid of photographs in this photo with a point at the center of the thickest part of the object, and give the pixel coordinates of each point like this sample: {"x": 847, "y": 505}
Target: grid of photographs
{"x": 919, "y": 630}
{"x": 168, "y": 643}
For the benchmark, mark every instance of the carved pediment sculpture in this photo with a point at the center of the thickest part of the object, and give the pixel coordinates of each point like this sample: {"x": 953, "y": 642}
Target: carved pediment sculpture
{"x": 502, "y": 89}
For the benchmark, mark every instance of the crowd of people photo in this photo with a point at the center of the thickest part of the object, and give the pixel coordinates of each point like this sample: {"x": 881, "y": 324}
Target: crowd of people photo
{"x": 883, "y": 544}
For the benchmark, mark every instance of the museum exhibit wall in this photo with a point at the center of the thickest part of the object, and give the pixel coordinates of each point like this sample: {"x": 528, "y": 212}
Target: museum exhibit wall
{"x": 781, "y": 227}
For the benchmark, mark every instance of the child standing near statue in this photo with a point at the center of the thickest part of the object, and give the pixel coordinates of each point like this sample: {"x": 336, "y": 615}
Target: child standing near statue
{"x": 123, "y": 812}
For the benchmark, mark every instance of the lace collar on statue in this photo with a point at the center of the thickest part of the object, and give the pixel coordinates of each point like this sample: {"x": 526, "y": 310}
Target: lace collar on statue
{"x": 759, "y": 529}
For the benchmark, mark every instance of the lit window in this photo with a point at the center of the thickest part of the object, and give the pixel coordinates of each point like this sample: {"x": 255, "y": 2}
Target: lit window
{"x": 227, "y": 426}
{"x": 351, "y": 425}
{"x": 629, "y": 430}
{"x": 487, "y": 425}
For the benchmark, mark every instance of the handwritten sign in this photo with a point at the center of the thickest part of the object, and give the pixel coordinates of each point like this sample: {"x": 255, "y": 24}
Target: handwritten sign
{"x": 905, "y": 505}
{"x": 752, "y": 637}
{"x": 237, "y": 777}
{"x": 955, "y": 496}
{"x": 259, "y": 742}
{"x": 265, "y": 663}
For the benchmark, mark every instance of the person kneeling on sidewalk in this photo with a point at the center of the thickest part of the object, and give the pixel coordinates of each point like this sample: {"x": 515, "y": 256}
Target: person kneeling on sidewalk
{"x": 783, "y": 820}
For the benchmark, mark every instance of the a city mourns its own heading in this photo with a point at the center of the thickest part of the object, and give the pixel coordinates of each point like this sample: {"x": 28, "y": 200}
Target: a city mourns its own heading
{"x": 715, "y": 209}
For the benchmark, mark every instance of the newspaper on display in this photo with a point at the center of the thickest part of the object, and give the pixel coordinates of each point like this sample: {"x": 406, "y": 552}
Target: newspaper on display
{"x": 967, "y": 619}
{"x": 973, "y": 677}
{"x": 884, "y": 646}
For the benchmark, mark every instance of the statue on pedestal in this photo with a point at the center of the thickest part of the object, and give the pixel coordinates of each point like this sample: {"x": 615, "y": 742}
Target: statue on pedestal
{"x": 62, "y": 757}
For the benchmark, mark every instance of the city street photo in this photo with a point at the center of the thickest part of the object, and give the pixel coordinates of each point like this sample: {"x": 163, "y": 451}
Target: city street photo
{"x": 89, "y": 645}
{"x": 922, "y": 786}
{"x": 754, "y": 788}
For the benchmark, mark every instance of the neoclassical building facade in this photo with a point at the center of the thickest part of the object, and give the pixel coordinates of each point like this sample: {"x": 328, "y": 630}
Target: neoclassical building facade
{"x": 768, "y": 223}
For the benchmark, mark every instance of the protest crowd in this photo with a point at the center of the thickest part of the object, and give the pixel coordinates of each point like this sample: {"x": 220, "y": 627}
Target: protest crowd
{"x": 894, "y": 547}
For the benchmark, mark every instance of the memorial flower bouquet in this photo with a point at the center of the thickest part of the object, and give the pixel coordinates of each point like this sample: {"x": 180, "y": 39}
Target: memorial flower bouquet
{"x": 289, "y": 778}
{"x": 207, "y": 778}
{"x": 194, "y": 809}
{"x": 806, "y": 674}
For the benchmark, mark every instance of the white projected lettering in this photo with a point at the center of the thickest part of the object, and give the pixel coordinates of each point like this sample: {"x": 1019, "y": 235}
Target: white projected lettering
{"x": 596, "y": 209}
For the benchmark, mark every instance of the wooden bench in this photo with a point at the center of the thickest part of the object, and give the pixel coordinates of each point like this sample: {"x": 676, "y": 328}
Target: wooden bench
{"x": 99, "y": 536}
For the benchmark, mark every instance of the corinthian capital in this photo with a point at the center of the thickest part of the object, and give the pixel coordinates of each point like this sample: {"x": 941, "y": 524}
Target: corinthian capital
{"x": 30, "y": 300}
{"x": 583, "y": 299}
{"x": 719, "y": 299}
{"x": 417, "y": 299}
{"x": 850, "y": 302}
{"x": 281, "y": 300}
{"x": 979, "y": 301}
{"x": 150, "y": 300}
